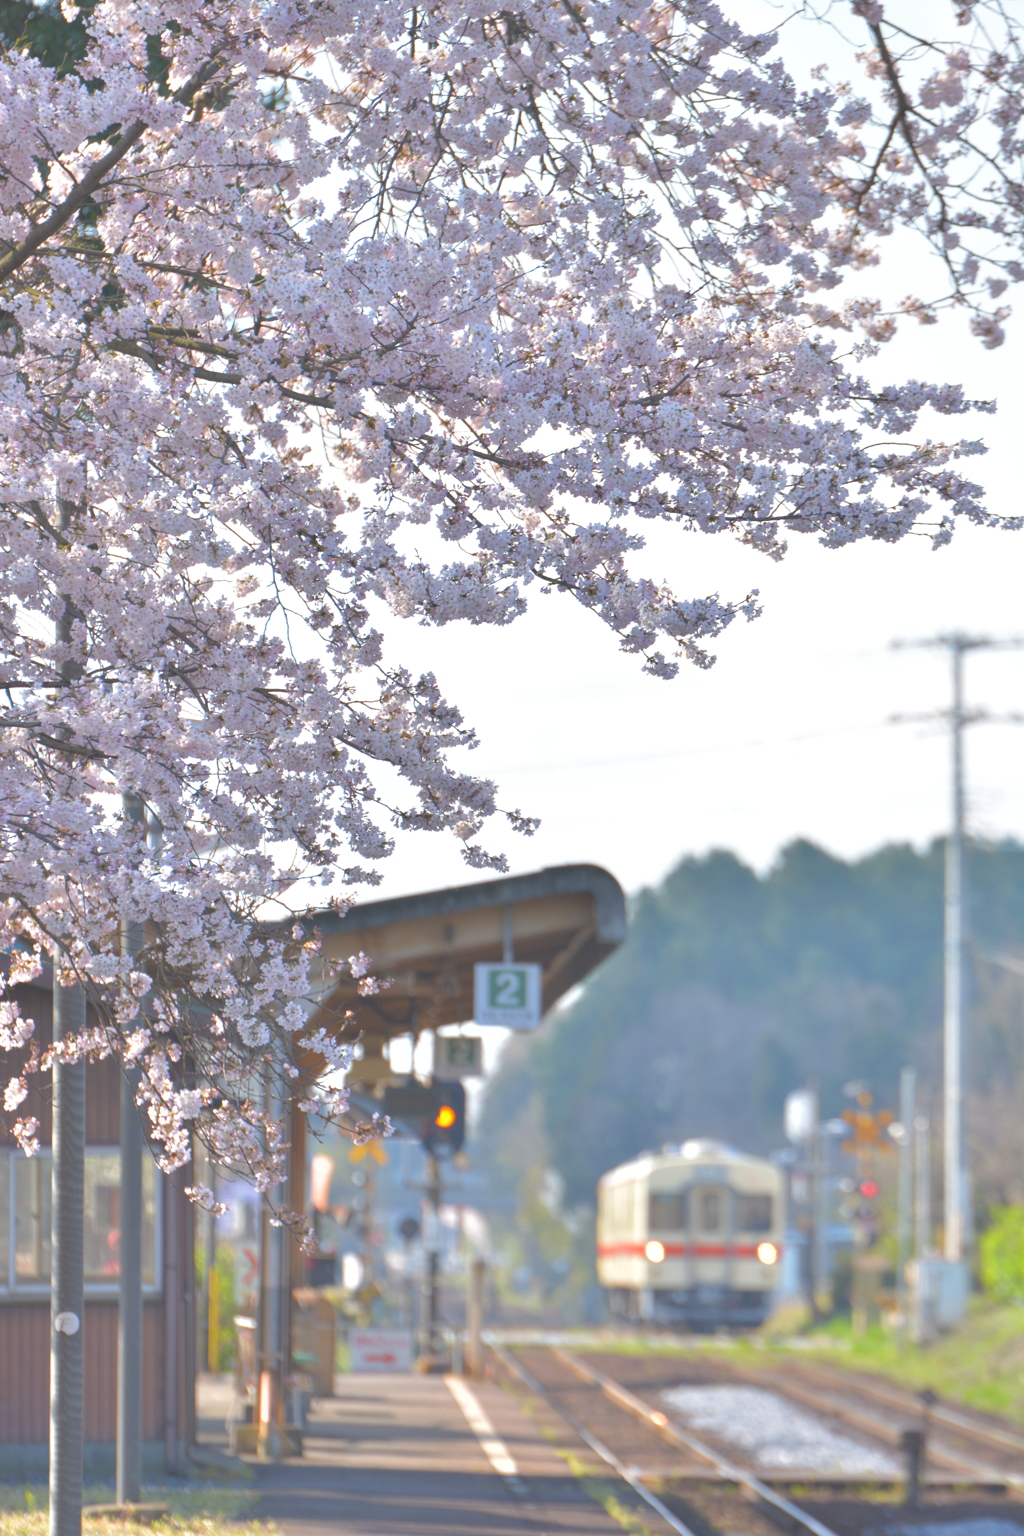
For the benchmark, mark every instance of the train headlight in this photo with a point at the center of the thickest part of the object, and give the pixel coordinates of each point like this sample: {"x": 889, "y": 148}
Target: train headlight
{"x": 654, "y": 1251}
{"x": 767, "y": 1253}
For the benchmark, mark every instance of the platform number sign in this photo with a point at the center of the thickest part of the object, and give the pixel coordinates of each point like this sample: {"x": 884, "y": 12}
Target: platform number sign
{"x": 458, "y": 1056}
{"x": 508, "y": 994}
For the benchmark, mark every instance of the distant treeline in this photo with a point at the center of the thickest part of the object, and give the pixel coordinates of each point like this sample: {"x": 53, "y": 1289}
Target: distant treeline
{"x": 733, "y": 988}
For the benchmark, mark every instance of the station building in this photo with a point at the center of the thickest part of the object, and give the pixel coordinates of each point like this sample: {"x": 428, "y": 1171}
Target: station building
{"x": 563, "y": 920}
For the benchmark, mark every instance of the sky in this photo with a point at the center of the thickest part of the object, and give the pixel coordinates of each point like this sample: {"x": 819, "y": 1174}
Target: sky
{"x": 795, "y": 731}
{"x": 790, "y": 734}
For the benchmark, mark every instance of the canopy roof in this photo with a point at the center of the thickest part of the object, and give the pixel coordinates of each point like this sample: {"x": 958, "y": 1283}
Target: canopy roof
{"x": 566, "y": 919}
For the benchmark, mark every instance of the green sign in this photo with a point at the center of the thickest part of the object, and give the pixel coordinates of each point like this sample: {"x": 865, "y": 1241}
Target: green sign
{"x": 508, "y": 994}
{"x": 458, "y": 1056}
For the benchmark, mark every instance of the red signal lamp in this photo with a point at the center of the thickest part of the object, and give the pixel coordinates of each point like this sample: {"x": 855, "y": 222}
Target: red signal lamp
{"x": 869, "y": 1189}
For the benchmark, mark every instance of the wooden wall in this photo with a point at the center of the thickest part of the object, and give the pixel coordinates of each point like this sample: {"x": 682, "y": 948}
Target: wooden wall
{"x": 25, "y": 1371}
{"x": 168, "y": 1321}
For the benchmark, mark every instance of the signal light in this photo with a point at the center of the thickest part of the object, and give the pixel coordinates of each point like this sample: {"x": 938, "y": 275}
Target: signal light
{"x": 654, "y": 1251}
{"x": 767, "y": 1253}
{"x": 869, "y": 1189}
{"x": 445, "y": 1130}
{"x": 435, "y": 1112}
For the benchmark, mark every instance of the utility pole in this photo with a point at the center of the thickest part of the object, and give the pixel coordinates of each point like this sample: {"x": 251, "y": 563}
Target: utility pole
{"x": 957, "y": 1221}
{"x": 954, "y": 1156}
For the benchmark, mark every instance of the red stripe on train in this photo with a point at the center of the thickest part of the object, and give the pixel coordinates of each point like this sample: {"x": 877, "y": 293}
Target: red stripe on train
{"x": 680, "y": 1250}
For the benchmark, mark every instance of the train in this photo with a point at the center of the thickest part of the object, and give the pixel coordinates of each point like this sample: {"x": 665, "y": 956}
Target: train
{"x": 692, "y": 1236}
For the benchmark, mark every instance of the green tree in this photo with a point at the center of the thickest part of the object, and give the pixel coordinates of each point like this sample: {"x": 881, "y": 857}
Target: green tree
{"x": 733, "y": 987}
{"x": 1001, "y": 1253}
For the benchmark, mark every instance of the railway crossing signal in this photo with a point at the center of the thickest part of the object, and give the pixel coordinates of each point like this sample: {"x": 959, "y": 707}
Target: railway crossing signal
{"x": 867, "y": 1129}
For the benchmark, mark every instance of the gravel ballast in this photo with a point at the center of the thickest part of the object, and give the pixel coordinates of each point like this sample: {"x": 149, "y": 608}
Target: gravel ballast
{"x": 777, "y": 1436}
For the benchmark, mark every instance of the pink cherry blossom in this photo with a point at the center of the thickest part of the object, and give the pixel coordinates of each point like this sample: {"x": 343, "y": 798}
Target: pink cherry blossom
{"x": 313, "y": 309}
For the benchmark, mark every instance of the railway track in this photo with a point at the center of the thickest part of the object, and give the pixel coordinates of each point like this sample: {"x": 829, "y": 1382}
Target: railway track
{"x": 964, "y": 1442}
{"x": 702, "y": 1486}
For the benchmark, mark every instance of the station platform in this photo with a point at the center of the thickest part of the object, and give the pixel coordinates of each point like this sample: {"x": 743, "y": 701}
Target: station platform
{"x": 440, "y": 1456}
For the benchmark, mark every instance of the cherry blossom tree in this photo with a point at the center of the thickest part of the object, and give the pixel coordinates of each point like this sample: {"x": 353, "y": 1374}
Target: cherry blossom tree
{"x": 312, "y": 310}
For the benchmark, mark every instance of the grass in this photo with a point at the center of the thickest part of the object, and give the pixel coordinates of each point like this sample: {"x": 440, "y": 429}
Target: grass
{"x": 595, "y": 1488}
{"x": 196, "y": 1508}
{"x": 981, "y": 1363}
{"x": 602, "y": 1493}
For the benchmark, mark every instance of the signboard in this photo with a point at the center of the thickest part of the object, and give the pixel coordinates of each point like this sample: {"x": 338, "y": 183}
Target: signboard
{"x": 800, "y": 1115}
{"x": 457, "y": 1056}
{"x": 507, "y": 994}
{"x": 379, "y": 1349}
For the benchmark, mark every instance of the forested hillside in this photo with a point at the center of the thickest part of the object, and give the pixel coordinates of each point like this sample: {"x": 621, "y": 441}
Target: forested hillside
{"x": 733, "y": 988}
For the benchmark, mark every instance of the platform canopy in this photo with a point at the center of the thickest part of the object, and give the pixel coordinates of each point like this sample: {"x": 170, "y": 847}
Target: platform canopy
{"x": 565, "y": 919}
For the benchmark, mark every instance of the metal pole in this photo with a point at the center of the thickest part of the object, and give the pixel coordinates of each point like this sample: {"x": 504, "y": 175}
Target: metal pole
{"x": 953, "y": 1150}
{"x": 912, "y": 1442}
{"x": 475, "y": 1319}
{"x": 172, "y": 1305}
{"x": 821, "y": 1268}
{"x": 129, "y": 1311}
{"x": 212, "y": 1319}
{"x": 904, "y": 1215}
{"x": 507, "y": 956}
{"x": 67, "y": 1220}
{"x": 272, "y": 1282}
{"x": 67, "y": 1269}
{"x": 922, "y": 1187}
{"x": 813, "y": 1145}
{"x": 433, "y": 1307}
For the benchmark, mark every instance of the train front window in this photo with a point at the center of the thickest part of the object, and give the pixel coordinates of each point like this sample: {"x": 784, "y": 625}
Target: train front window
{"x": 666, "y": 1213}
{"x": 754, "y": 1213}
{"x": 709, "y": 1207}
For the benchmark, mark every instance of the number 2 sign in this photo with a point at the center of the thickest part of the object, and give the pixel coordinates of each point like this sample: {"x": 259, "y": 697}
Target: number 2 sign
{"x": 507, "y": 994}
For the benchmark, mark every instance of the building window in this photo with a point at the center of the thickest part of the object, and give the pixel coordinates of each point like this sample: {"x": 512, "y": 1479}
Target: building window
{"x": 5, "y": 1222}
{"x": 31, "y": 1219}
{"x": 25, "y": 1220}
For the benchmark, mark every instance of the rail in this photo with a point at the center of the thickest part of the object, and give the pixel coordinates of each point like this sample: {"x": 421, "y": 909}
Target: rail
{"x": 792, "y": 1514}
{"x": 940, "y": 1413}
{"x": 597, "y": 1446}
{"x": 794, "y": 1384}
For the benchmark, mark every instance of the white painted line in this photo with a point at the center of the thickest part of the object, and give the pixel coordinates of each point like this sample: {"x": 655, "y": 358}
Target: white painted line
{"x": 494, "y": 1449}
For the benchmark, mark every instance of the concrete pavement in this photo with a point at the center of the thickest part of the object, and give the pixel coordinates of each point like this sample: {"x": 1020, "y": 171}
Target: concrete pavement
{"x": 431, "y": 1456}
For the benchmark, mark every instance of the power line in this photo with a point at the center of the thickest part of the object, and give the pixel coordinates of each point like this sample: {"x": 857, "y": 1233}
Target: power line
{"x": 685, "y": 752}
